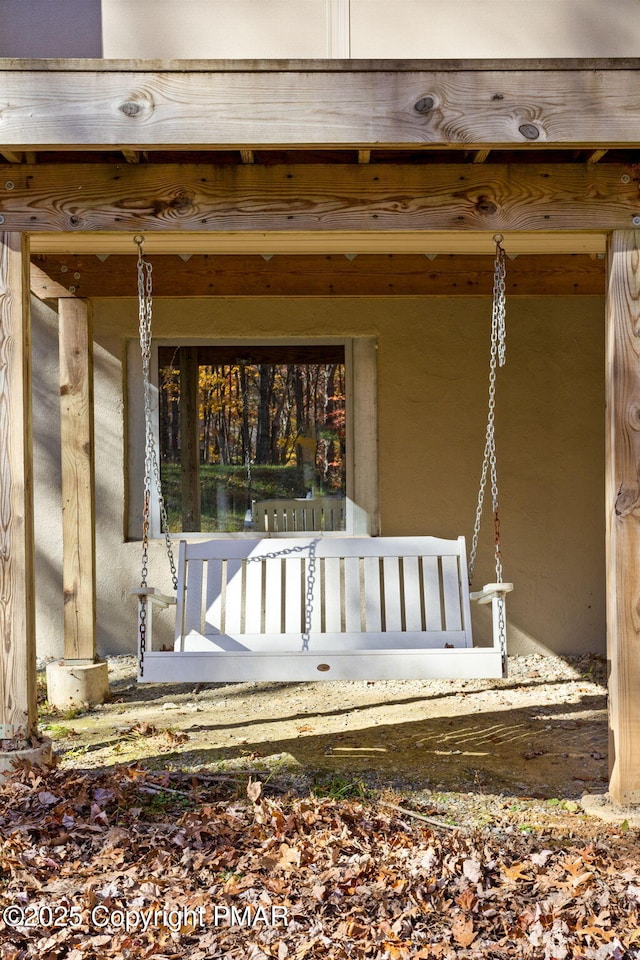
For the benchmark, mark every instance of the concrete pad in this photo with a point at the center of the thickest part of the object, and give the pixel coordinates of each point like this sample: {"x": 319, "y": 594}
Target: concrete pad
{"x": 39, "y": 756}
{"x": 77, "y": 685}
{"x": 603, "y": 807}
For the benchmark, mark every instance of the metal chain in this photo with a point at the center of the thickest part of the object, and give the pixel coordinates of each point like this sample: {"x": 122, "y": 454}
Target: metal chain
{"x": 151, "y": 467}
{"x": 502, "y": 634}
{"x": 489, "y": 463}
{"x": 310, "y": 580}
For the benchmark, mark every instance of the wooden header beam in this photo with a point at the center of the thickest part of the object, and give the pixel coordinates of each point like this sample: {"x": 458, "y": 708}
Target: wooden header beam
{"x": 279, "y": 104}
{"x": 410, "y": 275}
{"x": 371, "y": 198}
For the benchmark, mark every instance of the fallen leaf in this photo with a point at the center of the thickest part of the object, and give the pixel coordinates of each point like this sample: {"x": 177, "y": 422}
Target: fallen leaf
{"x": 516, "y": 871}
{"x": 462, "y": 930}
{"x": 254, "y": 790}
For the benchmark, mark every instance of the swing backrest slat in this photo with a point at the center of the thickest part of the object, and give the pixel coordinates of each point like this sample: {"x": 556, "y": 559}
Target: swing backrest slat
{"x": 331, "y": 586}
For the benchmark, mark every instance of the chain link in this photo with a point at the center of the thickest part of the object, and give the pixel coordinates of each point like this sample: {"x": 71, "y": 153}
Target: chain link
{"x": 310, "y": 580}
{"x": 151, "y": 466}
{"x": 502, "y": 634}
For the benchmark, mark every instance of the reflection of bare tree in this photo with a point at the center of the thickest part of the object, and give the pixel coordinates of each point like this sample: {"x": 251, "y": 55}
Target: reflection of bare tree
{"x": 259, "y": 412}
{"x": 263, "y": 438}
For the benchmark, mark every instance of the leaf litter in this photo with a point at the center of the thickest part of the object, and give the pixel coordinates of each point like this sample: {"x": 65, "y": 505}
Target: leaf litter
{"x": 133, "y": 863}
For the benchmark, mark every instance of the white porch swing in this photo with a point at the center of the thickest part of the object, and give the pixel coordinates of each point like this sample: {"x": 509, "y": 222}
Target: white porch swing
{"x": 337, "y": 608}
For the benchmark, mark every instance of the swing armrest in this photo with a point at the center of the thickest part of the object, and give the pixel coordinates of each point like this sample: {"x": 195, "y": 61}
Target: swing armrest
{"x": 491, "y": 590}
{"x": 153, "y": 596}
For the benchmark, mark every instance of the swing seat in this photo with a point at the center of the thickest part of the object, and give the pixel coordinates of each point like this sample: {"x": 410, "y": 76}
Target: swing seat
{"x": 348, "y": 608}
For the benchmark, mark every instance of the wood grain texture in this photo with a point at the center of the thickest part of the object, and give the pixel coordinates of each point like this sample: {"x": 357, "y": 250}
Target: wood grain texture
{"x": 623, "y": 513}
{"x": 78, "y": 503}
{"x": 323, "y": 242}
{"x": 409, "y": 275}
{"x": 235, "y": 108}
{"x": 18, "y": 715}
{"x": 361, "y": 197}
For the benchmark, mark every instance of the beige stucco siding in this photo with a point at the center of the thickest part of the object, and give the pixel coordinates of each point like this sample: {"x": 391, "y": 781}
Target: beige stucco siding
{"x": 432, "y": 370}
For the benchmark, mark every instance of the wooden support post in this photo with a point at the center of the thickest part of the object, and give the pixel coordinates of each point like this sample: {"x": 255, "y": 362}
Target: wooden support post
{"x": 189, "y": 439}
{"x": 623, "y": 513}
{"x": 18, "y": 715}
{"x": 78, "y": 506}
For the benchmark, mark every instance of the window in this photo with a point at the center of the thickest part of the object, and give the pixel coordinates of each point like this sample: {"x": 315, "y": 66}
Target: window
{"x": 276, "y": 438}
{"x": 241, "y": 430}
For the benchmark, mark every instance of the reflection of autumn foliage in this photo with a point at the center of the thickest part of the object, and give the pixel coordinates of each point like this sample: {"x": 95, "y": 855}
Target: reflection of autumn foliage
{"x": 259, "y": 413}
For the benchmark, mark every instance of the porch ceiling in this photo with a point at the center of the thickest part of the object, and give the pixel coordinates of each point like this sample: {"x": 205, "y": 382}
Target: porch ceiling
{"x": 319, "y": 157}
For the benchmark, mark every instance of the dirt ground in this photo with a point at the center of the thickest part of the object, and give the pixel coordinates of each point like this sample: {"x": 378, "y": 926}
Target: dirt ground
{"x": 541, "y": 733}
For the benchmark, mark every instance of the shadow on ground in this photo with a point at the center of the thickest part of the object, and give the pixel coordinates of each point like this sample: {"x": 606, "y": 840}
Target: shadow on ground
{"x": 539, "y": 736}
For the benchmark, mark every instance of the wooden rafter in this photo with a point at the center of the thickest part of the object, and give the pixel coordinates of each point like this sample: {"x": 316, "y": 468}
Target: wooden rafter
{"x": 305, "y": 275}
{"x": 477, "y": 106}
{"x": 364, "y": 197}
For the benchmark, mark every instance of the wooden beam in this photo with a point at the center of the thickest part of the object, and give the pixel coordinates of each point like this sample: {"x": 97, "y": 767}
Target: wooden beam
{"x": 45, "y": 287}
{"x": 364, "y": 156}
{"x": 247, "y": 156}
{"x": 78, "y": 507}
{"x": 131, "y": 156}
{"x": 623, "y": 513}
{"x": 489, "y": 198}
{"x": 363, "y": 106}
{"x": 480, "y": 156}
{"x": 18, "y": 713}
{"x": 278, "y": 242}
{"x": 11, "y": 157}
{"x": 189, "y": 439}
{"x": 596, "y": 156}
{"x": 410, "y": 275}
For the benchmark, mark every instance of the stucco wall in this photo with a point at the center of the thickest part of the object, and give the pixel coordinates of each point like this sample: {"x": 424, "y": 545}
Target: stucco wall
{"x": 47, "y": 477}
{"x": 432, "y": 385}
